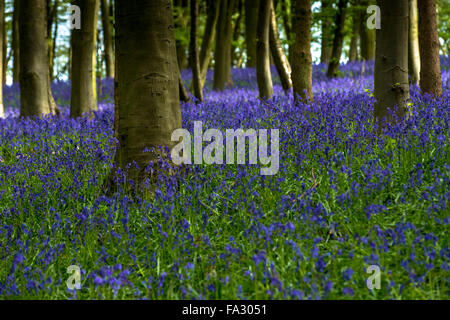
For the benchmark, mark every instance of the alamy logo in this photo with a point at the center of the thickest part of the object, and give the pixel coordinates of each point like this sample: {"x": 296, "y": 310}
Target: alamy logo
{"x": 374, "y": 21}
{"x": 374, "y": 281}
{"x": 74, "y": 281}
{"x": 213, "y": 153}
{"x": 75, "y": 17}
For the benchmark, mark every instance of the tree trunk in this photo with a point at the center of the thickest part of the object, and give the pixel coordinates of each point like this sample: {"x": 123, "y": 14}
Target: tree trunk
{"x": 5, "y": 47}
{"x": 15, "y": 41}
{"x": 236, "y": 34}
{"x": 430, "y": 72}
{"x": 195, "y": 63}
{"x": 326, "y": 29}
{"x": 2, "y": 56}
{"x": 107, "y": 39}
{"x": 34, "y": 76}
{"x": 413, "y": 43}
{"x": 353, "y": 52}
{"x": 213, "y": 7}
{"x": 222, "y": 54}
{"x": 391, "y": 60}
{"x": 51, "y": 9}
{"x": 147, "y": 69}
{"x": 367, "y": 36}
{"x": 251, "y": 22}
{"x": 286, "y": 20}
{"x": 338, "y": 41}
{"x": 280, "y": 60}
{"x": 263, "y": 74}
{"x": 84, "y": 97}
{"x": 301, "y": 49}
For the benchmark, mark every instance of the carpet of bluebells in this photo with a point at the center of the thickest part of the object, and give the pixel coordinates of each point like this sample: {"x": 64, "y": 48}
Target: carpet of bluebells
{"x": 343, "y": 199}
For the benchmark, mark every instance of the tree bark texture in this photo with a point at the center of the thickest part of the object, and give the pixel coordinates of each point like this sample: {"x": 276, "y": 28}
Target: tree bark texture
{"x": 263, "y": 75}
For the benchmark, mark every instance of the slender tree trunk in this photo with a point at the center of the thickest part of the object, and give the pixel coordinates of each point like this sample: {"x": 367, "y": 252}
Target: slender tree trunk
{"x": 263, "y": 74}
{"x": 54, "y": 39}
{"x": 52, "y": 9}
{"x": 184, "y": 96}
{"x": 251, "y": 22}
{"x": 280, "y": 60}
{"x": 195, "y": 63}
{"x": 15, "y": 41}
{"x": 338, "y": 41}
{"x": 367, "y": 36}
{"x": 5, "y": 48}
{"x": 107, "y": 39}
{"x": 84, "y": 97}
{"x": 34, "y": 76}
{"x": 353, "y": 52}
{"x": 236, "y": 34}
{"x": 430, "y": 72}
{"x": 222, "y": 55}
{"x": 2, "y": 56}
{"x": 413, "y": 43}
{"x": 391, "y": 60}
{"x": 147, "y": 69}
{"x": 213, "y": 7}
{"x": 326, "y": 29}
{"x": 301, "y": 49}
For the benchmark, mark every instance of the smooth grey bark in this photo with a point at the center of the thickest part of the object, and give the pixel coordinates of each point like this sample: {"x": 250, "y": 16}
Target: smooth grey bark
{"x": 301, "y": 49}
{"x": 222, "y": 54}
{"x": 279, "y": 58}
{"x": 84, "y": 96}
{"x": 107, "y": 39}
{"x": 251, "y": 23}
{"x": 34, "y": 73}
{"x": 147, "y": 91}
{"x": 391, "y": 61}
{"x": 338, "y": 41}
{"x": 263, "y": 75}
{"x": 195, "y": 63}
{"x": 413, "y": 43}
{"x": 430, "y": 71}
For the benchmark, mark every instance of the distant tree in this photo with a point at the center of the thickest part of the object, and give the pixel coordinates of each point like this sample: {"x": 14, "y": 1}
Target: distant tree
{"x": 338, "y": 40}
{"x": 213, "y": 7}
{"x": 279, "y": 58}
{"x": 251, "y": 23}
{"x": 413, "y": 43}
{"x": 180, "y": 24}
{"x": 300, "y": 50}
{"x": 353, "y": 50}
{"x": 263, "y": 74}
{"x": 367, "y": 36}
{"x": 326, "y": 31}
{"x": 148, "y": 102}
{"x": 34, "y": 72}
{"x": 236, "y": 60}
{"x": 15, "y": 41}
{"x": 193, "y": 48}
{"x": 430, "y": 71}
{"x": 84, "y": 96}
{"x": 107, "y": 39}
{"x": 391, "y": 60}
{"x": 222, "y": 54}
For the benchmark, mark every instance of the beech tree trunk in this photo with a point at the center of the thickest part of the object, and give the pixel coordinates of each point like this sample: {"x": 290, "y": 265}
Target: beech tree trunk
{"x": 251, "y": 23}
{"x": 301, "y": 50}
{"x": 263, "y": 75}
{"x": 430, "y": 71}
{"x": 2, "y": 57}
{"x": 222, "y": 55}
{"x": 15, "y": 41}
{"x": 84, "y": 96}
{"x": 34, "y": 73}
{"x": 391, "y": 60}
{"x": 413, "y": 43}
{"x": 195, "y": 63}
{"x": 279, "y": 58}
{"x": 107, "y": 39}
{"x": 326, "y": 30}
{"x": 213, "y": 7}
{"x": 338, "y": 41}
{"x": 147, "y": 69}
{"x": 366, "y": 35}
